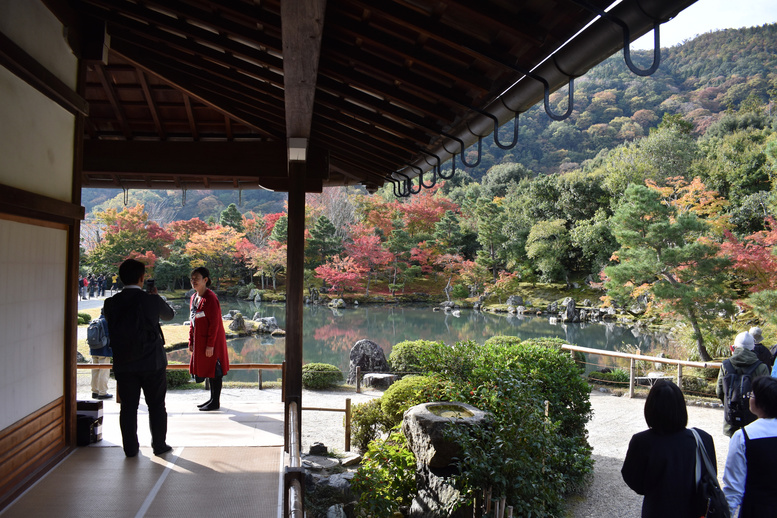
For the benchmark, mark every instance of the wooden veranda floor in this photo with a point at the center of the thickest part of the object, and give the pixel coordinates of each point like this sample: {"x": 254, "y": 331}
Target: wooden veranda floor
{"x": 225, "y": 463}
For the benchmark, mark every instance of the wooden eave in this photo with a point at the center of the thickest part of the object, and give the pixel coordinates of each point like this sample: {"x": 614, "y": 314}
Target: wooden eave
{"x": 372, "y": 86}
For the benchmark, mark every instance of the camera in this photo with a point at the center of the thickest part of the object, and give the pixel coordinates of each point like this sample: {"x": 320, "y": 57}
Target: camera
{"x": 150, "y": 283}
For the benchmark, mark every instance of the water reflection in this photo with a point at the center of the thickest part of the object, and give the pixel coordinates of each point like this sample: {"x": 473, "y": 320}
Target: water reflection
{"x": 328, "y": 334}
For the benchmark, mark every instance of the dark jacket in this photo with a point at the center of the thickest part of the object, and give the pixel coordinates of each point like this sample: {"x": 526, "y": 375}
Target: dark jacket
{"x": 763, "y": 354}
{"x": 742, "y": 359}
{"x": 154, "y": 309}
{"x": 662, "y": 467}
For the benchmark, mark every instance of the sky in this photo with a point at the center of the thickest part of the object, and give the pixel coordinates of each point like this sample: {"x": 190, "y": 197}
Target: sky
{"x": 710, "y": 15}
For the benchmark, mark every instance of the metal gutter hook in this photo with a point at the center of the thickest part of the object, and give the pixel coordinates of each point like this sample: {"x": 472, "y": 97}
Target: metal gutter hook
{"x": 627, "y": 38}
{"x": 570, "y": 102}
{"x": 461, "y": 153}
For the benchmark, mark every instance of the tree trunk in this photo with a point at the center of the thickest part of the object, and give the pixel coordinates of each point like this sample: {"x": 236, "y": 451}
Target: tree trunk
{"x": 703, "y": 354}
{"x": 447, "y": 289}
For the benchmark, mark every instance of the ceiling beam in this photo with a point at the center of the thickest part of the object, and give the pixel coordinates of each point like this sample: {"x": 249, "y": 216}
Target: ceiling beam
{"x": 215, "y": 159}
{"x": 187, "y": 84}
{"x": 302, "y": 28}
{"x": 113, "y": 99}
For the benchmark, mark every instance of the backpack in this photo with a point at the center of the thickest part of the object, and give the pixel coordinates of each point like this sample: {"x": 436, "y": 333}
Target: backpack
{"x": 737, "y": 388}
{"x": 97, "y": 333}
{"x": 131, "y": 330}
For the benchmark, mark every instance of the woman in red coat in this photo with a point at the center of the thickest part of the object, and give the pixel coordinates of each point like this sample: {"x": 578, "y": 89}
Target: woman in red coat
{"x": 207, "y": 339}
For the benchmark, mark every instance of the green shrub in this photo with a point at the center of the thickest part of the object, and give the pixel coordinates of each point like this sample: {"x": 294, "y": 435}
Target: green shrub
{"x": 406, "y": 356}
{"x": 178, "y": 378}
{"x": 366, "y": 423}
{"x": 616, "y": 377}
{"x": 385, "y": 480}
{"x": 406, "y": 393}
{"x": 521, "y": 455}
{"x": 318, "y": 376}
{"x": 513, "y": 382}
{"x": 84, "y": 318}
{"x": 503, "y": 340}
{"x": 532, "y": 459}
{"x": 556, "y": 375}
{"x": 459, "y": 291}
{"x": 698, "y": 386}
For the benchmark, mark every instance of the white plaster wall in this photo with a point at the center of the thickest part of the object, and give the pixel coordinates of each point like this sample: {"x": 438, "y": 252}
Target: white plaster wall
{"x": 31, "y": 26}
{"x": 32, "y": 318}
{"x": 36, "y": 134}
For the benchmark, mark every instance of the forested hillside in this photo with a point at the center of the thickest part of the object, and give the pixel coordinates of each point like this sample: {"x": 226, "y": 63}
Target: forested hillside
{"x": 700, "y": 79}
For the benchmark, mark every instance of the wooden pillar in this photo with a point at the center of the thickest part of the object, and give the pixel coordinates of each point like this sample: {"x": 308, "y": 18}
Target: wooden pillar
{"x": 72, "y": 288}
{"x": 295, "y": 258}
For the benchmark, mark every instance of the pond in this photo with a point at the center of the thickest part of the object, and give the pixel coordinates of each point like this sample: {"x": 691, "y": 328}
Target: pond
{"x": 329, "y": 335}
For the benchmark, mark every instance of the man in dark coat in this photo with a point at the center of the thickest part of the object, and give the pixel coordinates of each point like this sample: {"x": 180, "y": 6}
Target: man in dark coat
{"x": 742, "y": 360}
{"x": 139, "y": 359}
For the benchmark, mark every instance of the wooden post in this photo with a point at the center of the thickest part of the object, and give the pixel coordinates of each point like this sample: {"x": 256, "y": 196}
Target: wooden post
{"x": 632, "y": 370}
{"x": 348, "y": 424}
{"x": 260, "y": 379}
{"x": 488, "y": 500}
{"x": 680, "y": 376}
{"x": 509, "y": 511}
{"x": 295, "y": 257}
{"x": 358, "y": 380}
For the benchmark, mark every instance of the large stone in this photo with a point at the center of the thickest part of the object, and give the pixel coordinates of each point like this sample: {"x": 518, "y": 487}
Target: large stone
{"x": 424, "y": 426}
{"x": 336, "y": 511}
{"x": 337, "y": 304}
{"x": 435, "y": 495}
{"x": 570, "y": 313}
{"x": 266, "y": 324}
{"x": 369, "y": 357}
{"x": 515, "y": 300}
{"x": 319, "y": 448}
{"x": 378, "y": 380}
{"x": 237, "y": 324}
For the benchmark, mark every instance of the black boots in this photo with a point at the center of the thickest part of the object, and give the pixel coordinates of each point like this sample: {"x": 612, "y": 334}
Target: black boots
{"x": 215, "y": 396}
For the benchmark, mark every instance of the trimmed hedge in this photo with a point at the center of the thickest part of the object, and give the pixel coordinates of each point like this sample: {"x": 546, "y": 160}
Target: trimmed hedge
{"x": 405, "y": 356}
{"x": 319, "y": 376}
{"x": 178, "y": 378}
{"x": 532, "y": 459}
{"x": 617, "y": 377}
{"x": 84, "y": 318}
{"x": 408, "y": 392}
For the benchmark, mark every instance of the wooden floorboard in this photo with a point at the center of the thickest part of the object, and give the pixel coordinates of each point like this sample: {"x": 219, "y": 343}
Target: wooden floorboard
{"x": 190, "y": 481}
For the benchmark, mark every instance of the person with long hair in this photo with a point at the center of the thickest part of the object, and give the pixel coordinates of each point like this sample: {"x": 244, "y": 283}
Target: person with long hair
{"x": 661, "y": 461}
{"x": 748, "y": 478}
{"x": 207, "y": 338}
